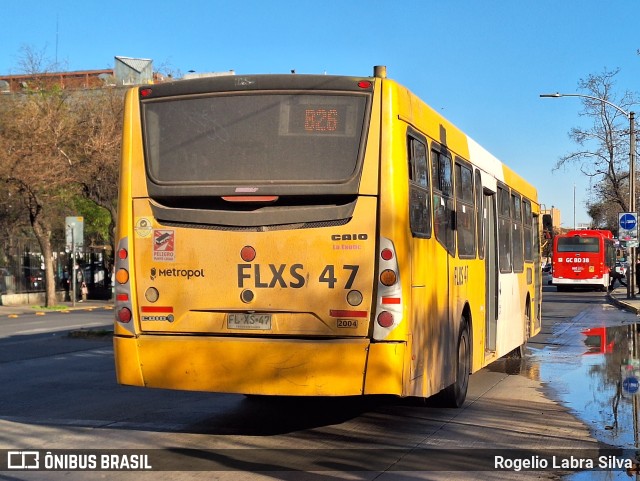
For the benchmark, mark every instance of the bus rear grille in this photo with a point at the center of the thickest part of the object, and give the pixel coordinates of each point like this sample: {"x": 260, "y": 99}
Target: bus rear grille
{"x": 260, "y": 228}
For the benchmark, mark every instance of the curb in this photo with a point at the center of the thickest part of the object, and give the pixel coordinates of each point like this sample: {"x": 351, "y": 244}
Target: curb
{"x": 622, "y": 304}
{"x": 16, "y": 311}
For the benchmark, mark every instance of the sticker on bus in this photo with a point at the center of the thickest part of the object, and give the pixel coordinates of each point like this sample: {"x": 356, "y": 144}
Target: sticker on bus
{"x": 143, "y": 227}
{"x": 163, "y": 245}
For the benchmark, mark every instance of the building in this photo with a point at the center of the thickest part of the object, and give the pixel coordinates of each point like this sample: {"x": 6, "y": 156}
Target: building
{"x": 555, "y": 216}
{"x": 126, "y": 71}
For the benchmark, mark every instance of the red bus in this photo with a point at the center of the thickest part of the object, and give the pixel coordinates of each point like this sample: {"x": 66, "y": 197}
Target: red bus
{"x": 583, "y": 258}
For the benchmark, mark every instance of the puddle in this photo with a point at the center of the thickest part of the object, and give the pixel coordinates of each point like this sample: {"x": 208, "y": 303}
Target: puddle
{"x": 595, "y": 375}
{"x": 601, "y": 385}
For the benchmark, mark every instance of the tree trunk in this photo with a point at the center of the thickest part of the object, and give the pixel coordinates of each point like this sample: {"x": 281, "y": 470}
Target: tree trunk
{"x": 43, "y": 235}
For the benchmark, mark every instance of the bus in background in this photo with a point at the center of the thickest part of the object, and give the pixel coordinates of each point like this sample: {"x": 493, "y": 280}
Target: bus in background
{"x": 583, "y": 258}
{"x": 315, "y": 235}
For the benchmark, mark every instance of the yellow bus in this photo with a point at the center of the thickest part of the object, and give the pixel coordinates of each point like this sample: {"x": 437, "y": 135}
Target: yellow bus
{"x": 315, "y": 235}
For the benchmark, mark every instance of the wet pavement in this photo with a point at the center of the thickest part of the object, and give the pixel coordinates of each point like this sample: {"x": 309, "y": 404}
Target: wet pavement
{"x": 607, "y": 395}
{"x": 591, "y": 365}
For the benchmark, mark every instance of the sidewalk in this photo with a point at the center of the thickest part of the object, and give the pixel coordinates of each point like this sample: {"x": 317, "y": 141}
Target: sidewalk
{"x": 618, "y": 297}
{"x": 13, "y": 311}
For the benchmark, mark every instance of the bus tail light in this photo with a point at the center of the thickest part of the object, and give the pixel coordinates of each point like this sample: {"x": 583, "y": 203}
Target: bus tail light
{"x": 388, "y": 277}
{"x": 122, "y": 276}
{"x": 123, "y": 307}
{"x": 385, "y": 319}
{"x": 124, "y": 315}
{"x": 389, "y": 306}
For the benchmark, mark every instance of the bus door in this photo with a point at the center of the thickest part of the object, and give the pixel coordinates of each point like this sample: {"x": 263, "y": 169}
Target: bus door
{"x": 491, "y": 270}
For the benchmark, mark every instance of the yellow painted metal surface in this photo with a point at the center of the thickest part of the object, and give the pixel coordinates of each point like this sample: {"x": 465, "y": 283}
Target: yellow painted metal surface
{"x": 298, "y": 277}
{"x": 251, "y": 366}
{"x": 385, "y": 368}
{"x": 128, "y": 369}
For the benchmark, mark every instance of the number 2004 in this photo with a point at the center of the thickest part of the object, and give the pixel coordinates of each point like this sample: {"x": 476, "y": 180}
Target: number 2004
{"x": 347, "y": 323}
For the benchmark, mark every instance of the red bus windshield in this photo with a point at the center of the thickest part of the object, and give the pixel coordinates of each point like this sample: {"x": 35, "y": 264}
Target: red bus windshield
{"x": 578, "y": 244}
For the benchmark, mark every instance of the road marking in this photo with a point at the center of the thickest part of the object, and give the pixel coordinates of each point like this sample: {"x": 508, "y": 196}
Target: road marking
{"x": 62, "y": 328}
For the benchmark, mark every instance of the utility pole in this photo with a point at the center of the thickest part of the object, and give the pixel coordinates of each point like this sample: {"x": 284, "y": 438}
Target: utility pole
{"x": 631, "y": 291}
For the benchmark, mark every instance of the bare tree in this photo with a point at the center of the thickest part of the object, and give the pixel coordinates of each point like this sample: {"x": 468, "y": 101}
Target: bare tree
{"x": 604, "y": 146}
{"x": 34, "y": 62}
{"x": 168, "y": 70}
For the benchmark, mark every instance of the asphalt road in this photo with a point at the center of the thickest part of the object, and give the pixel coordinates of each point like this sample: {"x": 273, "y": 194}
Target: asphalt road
{"x": 59, "y": 393}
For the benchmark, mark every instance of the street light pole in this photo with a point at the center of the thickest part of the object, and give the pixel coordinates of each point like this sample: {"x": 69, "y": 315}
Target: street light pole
{"x": 73, "y": 274}
{"x": 631, "y": 291}
{"x": 632, "y": 201}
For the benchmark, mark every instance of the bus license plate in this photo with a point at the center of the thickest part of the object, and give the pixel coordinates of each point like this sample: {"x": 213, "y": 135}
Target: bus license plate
{"x": 249, "y": 321}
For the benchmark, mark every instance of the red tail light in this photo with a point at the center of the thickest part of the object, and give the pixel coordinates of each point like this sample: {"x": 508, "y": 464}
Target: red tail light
{"x": 389, "y": 308}
{"x": 123, "y": 307}
{"x": 124, "y": 315}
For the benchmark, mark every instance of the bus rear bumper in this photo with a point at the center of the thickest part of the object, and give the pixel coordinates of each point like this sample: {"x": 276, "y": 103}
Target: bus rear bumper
{"x": 248, "y": 366}
{"x": 594, "y": 282}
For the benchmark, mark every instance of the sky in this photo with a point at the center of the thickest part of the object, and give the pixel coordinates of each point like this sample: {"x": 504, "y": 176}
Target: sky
{"x": 481, "y": 63}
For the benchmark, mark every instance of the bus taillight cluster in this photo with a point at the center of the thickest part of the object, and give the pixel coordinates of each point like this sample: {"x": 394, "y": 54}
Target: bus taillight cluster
{"x": 123, "y": 294}
{"x": 389, "y": 305}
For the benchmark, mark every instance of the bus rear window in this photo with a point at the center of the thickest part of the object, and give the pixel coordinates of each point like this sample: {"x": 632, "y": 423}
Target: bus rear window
{"x": 253, "y": 138}
{"x": 578, "y": 244}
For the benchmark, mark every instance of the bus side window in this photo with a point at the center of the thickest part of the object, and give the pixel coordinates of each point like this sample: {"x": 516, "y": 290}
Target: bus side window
{"x": 528, "y": 230}
{"x": 443, "y": 200}
{"x": 419, "y": 201}
{"x": 465, "y": 212}
{"x": 479, "y": 213}
{"x": 504, "y": 229}
{"x": 517, "y": 247}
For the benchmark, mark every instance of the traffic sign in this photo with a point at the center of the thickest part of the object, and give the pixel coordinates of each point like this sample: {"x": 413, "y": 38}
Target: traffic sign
{"x": 628, "y": 227}
{"x": 74, "y": 232}
{"x": 630, "y": 385}
{"x": 628, "y": 221}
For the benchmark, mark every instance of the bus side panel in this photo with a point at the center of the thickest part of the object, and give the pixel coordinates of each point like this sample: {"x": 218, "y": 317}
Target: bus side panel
{"x": 439, "y": 281}
{"x": 130, "y": 178}
{"x": 424, "y": 263}
{"x": 466, "y": 274}
{"x": 513, "y": 287}
{"x": 391, "y": 361}
{"x": 510, "y": 334}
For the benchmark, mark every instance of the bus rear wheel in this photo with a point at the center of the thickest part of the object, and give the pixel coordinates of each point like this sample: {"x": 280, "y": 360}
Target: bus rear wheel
{"x": 455, "y": 394}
